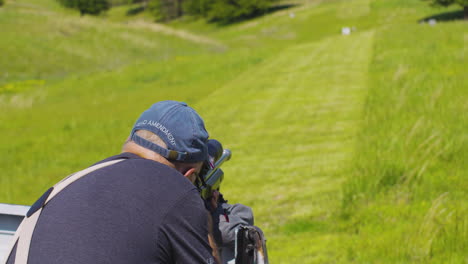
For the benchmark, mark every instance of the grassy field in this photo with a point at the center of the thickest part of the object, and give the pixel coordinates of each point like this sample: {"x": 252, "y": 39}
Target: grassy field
{"x": 350, "y": 149}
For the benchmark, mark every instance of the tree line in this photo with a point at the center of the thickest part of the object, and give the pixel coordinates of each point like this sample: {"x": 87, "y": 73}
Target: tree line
{"x": 221, "y": 11}
{"x": 92, "y": 7}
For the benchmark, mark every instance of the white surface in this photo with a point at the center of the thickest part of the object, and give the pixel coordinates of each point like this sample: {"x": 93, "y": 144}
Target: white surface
{"x": 4, "y": 244}
{"x": 10, "y": 217}
{"x": 345, "y": 31}
{"x": 13, "y": 209}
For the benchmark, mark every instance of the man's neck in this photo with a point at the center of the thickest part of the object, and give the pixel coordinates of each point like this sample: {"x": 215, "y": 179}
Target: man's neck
{"x": 146, "y": 154}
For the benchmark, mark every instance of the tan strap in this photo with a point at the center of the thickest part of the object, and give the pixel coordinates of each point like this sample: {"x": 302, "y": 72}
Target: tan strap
{"x": 22, "y": 249}
{"x": 67, "y": 181}
{"x": 25, "y": 231}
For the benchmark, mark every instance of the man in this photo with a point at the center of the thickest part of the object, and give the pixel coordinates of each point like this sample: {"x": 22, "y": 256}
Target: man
{"x": 142, "y": 208}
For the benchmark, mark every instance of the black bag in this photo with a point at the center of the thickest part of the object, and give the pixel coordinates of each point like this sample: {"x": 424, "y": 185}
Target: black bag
{"x": 251, "y": 246}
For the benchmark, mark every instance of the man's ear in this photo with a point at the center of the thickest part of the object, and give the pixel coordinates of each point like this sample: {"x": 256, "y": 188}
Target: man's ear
{"x": 191, "y": 175}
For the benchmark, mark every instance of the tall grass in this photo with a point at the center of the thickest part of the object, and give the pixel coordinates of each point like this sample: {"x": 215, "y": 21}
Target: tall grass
{"x": 407, "y": 195}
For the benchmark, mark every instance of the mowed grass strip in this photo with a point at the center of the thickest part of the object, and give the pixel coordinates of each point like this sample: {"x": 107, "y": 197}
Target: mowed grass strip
{"x": 291, "y": 123}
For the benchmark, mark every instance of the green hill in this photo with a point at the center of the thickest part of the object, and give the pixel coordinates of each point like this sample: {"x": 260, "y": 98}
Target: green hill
{"x": 349, "y": 148}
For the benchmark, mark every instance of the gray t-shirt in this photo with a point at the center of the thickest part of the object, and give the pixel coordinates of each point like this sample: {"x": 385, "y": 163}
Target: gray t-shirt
{"x": 137, "y": 211}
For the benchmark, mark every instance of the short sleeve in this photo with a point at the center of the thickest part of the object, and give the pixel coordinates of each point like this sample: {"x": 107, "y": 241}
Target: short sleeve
{"x": 184, "y": 233}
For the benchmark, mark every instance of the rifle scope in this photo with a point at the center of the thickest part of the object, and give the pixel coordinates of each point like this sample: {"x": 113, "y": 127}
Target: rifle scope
{"x": 212, "y": 173}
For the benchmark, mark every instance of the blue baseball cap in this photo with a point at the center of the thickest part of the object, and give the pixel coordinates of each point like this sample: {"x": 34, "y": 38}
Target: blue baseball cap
{"x": 179, "y": 126}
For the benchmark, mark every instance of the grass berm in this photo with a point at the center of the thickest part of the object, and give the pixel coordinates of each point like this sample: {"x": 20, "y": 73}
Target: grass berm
{"x": 349, "y": 148}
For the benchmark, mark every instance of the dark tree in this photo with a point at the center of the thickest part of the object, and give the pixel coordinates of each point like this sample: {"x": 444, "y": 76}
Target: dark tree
{"x": 165, "y": 10}
{"x": 92, "y": 7}
{"x": 226, "y": 11}
{"x": 197, "y": 7}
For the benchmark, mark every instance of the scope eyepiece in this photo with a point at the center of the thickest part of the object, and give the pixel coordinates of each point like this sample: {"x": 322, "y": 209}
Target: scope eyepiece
{"x": 211, "y": 174}
{"x": 215, "y": 150}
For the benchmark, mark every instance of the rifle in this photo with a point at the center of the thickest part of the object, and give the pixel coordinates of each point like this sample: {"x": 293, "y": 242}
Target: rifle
{"x": 211, "y": 175}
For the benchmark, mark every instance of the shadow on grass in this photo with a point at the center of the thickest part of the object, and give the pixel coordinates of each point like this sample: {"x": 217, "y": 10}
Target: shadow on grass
{"x": 268, "y": 11}
{"x": 135, "y": 11}
{"x": 445, "y": 17}
{"x": 139, "y": 9}
{"x": 279, "y": 8}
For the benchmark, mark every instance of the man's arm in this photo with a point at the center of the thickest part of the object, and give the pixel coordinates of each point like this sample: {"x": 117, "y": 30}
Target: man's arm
{"x": 211, "y": 239}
